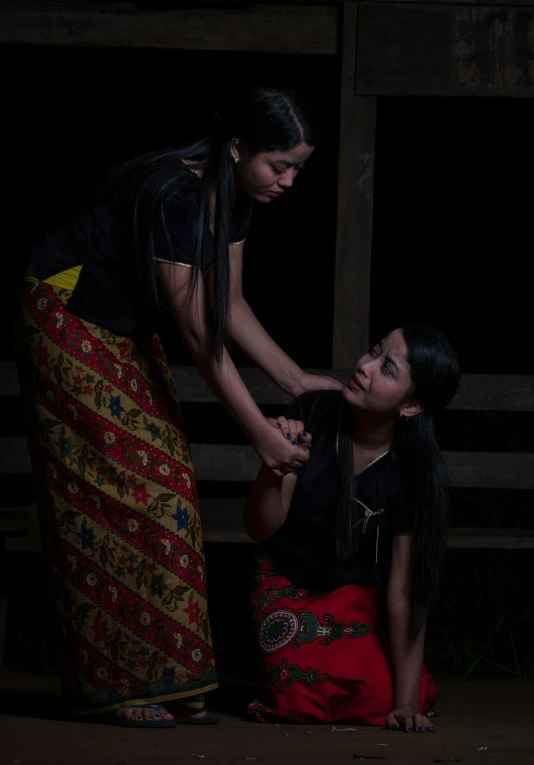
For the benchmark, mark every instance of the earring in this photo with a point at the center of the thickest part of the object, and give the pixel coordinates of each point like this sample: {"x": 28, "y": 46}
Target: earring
{"x": 235, "y": 156}
{"x": 404, "y": 416}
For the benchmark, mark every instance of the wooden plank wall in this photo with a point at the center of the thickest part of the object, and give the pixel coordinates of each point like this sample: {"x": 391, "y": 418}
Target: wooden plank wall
{"x": 235, "y": 465}
{"x": 472, "y": 51}
{"x": 265, "y": 28}
{"x": 493, "y": 393}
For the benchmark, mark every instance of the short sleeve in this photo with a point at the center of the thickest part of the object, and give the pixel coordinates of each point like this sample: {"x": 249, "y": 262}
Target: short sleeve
{"x": 178, "y": 246}
{"x": 400, "y": 508}
{"x": 316, "y": 409}
{"x": 241, "y": 218}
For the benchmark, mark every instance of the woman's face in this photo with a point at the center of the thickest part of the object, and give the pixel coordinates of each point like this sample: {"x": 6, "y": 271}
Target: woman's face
{"x": 268, "y": 174}
{"x": 381, "y": 381}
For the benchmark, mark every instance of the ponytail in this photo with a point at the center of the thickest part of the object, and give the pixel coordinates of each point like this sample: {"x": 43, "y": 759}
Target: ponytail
{"x": 427, "y": 489}
{"x": 221, "y": 264}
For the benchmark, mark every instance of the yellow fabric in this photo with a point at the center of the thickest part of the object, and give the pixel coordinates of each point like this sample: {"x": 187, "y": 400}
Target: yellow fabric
{"x": 66, "y": 280}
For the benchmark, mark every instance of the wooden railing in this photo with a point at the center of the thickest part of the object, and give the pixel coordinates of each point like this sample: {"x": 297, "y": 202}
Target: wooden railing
{"x": 224, "y": 463}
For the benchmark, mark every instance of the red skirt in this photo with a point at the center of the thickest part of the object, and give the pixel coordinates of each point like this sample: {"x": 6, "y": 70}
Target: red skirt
{"x": 324, "y": 655}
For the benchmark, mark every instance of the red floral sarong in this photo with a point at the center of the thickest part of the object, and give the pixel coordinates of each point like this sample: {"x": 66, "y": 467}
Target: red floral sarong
{"x": 118, "y": 510}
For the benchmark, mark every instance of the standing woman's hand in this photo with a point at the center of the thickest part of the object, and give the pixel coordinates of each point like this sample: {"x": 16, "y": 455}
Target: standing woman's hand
{"x": 308, "y": 382}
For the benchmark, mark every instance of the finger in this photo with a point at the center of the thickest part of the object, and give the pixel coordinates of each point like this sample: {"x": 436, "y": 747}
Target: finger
{"x": 305, "y": 438}
{"x": 391, "y": 722}
{"x": 285, "y": 427}
{"x": 295, "y": 465}
{"x": 419, "y": 723}
{"x": 281, "y": 423}
{"x": 426, "y": 724}
{"x": 302, "y": 455}
{"x": 294, "y": 429}
{"x": 408, "y": 724}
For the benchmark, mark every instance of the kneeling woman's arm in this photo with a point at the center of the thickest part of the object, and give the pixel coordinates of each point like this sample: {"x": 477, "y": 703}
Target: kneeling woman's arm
{"x": 268, "y": 503}
{"x": 407, "y": 649}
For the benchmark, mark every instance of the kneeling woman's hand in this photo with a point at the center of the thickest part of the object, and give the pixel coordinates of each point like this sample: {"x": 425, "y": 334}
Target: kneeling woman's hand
{"x": 292, "y": 430}
{"x": 409, "y": 719}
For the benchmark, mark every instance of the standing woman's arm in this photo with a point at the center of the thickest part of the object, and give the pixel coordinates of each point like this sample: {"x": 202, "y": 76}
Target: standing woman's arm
{"x": 251, "y": 337}
{"x": 191, "y": 310}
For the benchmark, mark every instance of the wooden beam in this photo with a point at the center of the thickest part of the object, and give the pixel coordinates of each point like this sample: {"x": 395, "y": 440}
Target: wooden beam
{"x": 125, "y": 7}
{"x": 496, "y": 393}
{"x": 495, "y": 539}
{"x": 485, "y": 3}
{"x": 491, "y": 470}
{"x": 228, "y": 462}
{"x": 354, "y": 208}
{"x": 438, "y": 50}
{"x": 463, "y": 538}
{"x": 267, "y": 29}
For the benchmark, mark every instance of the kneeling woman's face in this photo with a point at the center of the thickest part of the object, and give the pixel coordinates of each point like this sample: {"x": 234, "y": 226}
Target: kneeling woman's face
{"x": 381, "y": 381}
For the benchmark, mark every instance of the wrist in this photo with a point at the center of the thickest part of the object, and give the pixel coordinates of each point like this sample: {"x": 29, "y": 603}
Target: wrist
{"x": 295, "y": 386}
{"x": 259, "y": 430}
{"x": 403, "y": 701}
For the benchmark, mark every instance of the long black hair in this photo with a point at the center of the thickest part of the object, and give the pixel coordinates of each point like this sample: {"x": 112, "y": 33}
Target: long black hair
{"x": 435, "y": 374}
{"x": 155, "y": 187}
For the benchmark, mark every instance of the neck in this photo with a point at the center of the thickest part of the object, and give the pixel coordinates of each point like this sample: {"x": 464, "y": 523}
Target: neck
{"x": 373, "y": 431}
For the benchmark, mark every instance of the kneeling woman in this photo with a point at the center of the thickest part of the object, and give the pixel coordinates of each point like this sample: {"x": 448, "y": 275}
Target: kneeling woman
{"x": 352, "y": 546}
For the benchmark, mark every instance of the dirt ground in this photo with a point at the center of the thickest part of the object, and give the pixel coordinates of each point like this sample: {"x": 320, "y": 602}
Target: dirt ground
{"x": 493, "y": 714}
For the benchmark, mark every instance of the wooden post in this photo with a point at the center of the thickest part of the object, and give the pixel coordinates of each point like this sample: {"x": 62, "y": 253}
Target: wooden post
{"x": 355, "y": 207}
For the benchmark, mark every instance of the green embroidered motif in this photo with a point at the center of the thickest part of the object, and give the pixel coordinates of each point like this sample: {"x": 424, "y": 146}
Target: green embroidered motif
{"x": 288, "y": 674}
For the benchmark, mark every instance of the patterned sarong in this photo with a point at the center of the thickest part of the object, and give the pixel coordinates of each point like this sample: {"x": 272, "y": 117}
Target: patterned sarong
{"x": 118, "y": 510}
{"x": 324, "y": 655}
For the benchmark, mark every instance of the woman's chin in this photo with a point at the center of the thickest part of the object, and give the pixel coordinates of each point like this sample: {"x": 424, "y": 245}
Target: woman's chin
{"x": 261, "y": 196}
{"x": 351, "y": 398}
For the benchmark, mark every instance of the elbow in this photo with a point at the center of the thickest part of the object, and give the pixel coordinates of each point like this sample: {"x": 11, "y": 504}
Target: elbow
{"x": 255, "y": 534}
{"x": 251, "y": 525}
{"x": 197, "y": 340}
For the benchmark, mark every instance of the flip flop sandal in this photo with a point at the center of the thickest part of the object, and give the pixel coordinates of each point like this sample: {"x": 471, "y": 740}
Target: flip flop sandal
{"x": 111, "y": 719}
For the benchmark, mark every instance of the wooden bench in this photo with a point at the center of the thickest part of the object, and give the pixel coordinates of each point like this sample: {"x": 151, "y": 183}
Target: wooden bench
{"x": 222, "y": 520}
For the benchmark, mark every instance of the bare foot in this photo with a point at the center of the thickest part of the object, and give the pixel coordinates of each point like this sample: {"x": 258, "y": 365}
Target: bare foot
{"x": 143, "y": 713}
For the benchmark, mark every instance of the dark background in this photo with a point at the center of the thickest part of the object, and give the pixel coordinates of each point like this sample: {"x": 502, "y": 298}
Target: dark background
{"x": 451, "y": 247}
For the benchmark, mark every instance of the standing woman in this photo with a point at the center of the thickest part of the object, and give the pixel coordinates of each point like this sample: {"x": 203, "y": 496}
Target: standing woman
{"x": 116, "y": 489}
